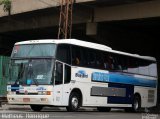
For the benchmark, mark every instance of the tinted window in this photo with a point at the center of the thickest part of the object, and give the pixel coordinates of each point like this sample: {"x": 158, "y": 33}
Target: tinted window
{"x": 63, "y": 53}
{"x": 123, "y": 63}
{"x": 84, "y": 55}
{"x": 117, "y": 62}
{"x": 107, "y": 62}
{"x": 99, "y": 60}
{"x": 110, "y": 61}
{"x": 76, "y": 55}
{"x": 91, "y": 58}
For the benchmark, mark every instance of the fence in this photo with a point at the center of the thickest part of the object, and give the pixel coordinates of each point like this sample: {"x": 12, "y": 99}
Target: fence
{"x": 4, "y": 73}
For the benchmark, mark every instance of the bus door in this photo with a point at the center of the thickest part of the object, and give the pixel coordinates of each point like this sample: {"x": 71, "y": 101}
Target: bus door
{"x": 62, "y": 80}
{"x": 58, "y": 83}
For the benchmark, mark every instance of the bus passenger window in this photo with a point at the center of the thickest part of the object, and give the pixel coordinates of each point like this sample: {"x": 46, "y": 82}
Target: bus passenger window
{"x": 117, "y": 62}
{"x": 99, "y": 60}
{"x": 107, "y": 62}
{"x": 63, "y": 53}
{"x": 91, "y": 58}
{"x": 76, "y": 55}
{"x": 106, "y": 65}
{"x": 110, "y": 62}
{"x": 77, "y": 61}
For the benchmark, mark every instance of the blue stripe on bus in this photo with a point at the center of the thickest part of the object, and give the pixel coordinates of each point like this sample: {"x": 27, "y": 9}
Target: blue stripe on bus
{"x": 130, "y": 79}
{"x": 114, "y": 77}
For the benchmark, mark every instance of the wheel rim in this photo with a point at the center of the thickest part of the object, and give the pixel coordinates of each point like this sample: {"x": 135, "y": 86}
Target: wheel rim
{"x": 75, "y": 102}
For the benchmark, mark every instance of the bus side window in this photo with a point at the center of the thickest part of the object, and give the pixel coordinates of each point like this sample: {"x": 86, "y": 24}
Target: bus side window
{"x": 63, "y": 53}
{"x": 106, "y": 61}
{"x": 124, "y": 61}
{"x": 84, "y": 57}
{"x": 91, "y": 58}
{"x": 99, "y": 60}
{"x": 76, "y": 55}
{"x": 117, "y": 62}
{"x": 111, "y": 62}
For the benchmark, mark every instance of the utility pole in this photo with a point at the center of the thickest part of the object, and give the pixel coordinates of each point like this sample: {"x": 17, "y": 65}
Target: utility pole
{"x": 65, "y": 19}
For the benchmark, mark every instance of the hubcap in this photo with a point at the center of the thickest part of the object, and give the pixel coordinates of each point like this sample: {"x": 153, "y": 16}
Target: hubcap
{"x": 75, "y": 102}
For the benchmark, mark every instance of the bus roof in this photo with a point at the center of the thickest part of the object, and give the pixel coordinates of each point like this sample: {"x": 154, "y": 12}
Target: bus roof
{"x": 83, "y": 44}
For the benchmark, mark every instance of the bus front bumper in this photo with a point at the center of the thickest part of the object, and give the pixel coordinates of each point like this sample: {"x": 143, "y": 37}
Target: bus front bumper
{"x": 30, "y": 99}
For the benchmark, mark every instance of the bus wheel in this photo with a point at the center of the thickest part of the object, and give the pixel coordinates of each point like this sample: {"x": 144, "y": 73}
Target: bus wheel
{"x": 74, "y": 102}
{"x": 104, "y": 109}
{"x": 36, "y": 108}
{"x": 136, "y": 103}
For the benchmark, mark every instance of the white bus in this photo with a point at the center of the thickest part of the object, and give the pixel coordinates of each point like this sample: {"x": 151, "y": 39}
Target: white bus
{"x": 72, "y": 73}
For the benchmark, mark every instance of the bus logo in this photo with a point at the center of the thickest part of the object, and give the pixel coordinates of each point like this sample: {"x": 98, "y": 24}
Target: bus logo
{"x": 81, "y": 74}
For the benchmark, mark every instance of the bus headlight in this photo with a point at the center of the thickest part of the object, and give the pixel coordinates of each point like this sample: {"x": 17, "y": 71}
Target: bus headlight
{"x": 44, "y": 93}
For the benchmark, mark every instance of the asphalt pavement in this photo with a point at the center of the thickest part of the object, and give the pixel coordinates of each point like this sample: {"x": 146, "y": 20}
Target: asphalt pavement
{"x": 23, "y": 111}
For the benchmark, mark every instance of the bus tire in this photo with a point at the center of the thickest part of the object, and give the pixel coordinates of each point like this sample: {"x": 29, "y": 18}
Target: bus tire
{"x": 74, "y": 102}
{"x": 136, "y": 106}
{"x": 36, "y": 108}
{"x": 104, "y": 109}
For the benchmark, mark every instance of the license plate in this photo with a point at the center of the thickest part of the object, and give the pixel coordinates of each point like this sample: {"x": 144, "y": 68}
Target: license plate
{"x": 26, "y": 99}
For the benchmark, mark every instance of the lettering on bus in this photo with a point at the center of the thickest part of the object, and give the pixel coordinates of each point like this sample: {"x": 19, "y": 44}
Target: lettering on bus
{"x": 41, "y": 89}
{"x": 98, "y": 76}
{"x": 81, "y": 74}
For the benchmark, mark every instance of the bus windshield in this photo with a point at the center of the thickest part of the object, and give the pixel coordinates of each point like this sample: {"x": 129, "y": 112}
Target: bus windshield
{"x": 31, "y": 72}
{"x": 34, "y": 50}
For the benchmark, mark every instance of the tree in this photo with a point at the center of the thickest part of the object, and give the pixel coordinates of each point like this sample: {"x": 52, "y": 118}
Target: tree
{"x": 6, "y": 5}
